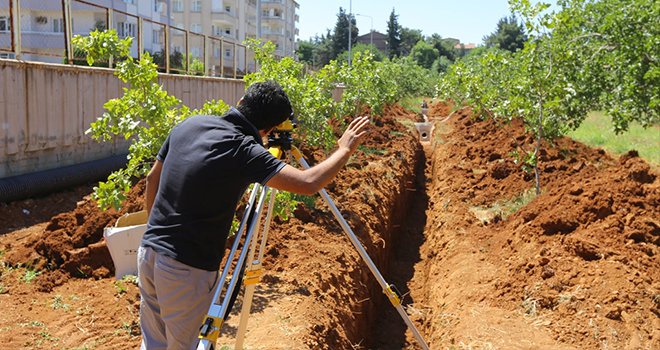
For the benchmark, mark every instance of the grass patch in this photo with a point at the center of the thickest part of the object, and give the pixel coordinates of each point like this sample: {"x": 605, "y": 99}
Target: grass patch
{"x": 596, "y": 131}
{"x": 58, "y": 303}
{"x": 414, "y": 103}
{"x": 32, "y": 324}
{"x": 371, "y": 150}
{"x": 122, "y": 285}
{"x": 308, "y": 201}
{"x": 500, "y": 210}
{"x": 30, "y": 275}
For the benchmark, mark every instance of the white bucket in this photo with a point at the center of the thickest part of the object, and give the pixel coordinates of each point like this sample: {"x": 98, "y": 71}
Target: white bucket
{"x": 123, "y": 241}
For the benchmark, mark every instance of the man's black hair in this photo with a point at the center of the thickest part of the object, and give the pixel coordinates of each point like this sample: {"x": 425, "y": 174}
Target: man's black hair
{"x": 265, "y": 105}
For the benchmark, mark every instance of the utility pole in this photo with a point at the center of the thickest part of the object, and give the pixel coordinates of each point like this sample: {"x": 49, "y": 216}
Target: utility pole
{"x": 350, "y": 10}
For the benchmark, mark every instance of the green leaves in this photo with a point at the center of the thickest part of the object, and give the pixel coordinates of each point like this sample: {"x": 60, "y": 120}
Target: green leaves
{"x": 101, "y": 45}
{"x": 590, "y": 55}
{"x": 111, "y": 194}
{"x": 144, "y": 114}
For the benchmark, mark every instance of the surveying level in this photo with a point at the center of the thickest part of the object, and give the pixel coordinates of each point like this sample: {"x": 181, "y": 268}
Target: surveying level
{"x": 280, "y": 143}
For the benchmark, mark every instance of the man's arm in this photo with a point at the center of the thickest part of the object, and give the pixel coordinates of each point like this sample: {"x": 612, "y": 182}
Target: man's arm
{"x": 312, "y": 180}
{"x": 153, "y": 179}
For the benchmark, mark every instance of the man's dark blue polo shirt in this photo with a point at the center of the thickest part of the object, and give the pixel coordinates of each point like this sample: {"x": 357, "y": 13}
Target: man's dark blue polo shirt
{"x": 208, "y": 162}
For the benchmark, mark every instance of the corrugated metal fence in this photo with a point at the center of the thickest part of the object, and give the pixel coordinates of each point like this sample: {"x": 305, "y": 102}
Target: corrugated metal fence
{"x": 46, "y": 108}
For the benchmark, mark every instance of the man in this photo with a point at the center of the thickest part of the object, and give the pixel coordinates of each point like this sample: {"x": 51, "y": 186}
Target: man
{"x": 193, "y": 188}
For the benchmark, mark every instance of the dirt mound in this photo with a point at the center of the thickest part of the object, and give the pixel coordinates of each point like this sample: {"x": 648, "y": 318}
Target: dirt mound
{"x": 499, "y": 268}
{"x": 439, "y": 110}
{"x": 72, "y": 245}
{"x": 591, "y": 255}
{"x": 28, "y": 212}
{"x": 577, "y": 266}
{"x": 312, "y": 271}
{"x": 310, "y": 256}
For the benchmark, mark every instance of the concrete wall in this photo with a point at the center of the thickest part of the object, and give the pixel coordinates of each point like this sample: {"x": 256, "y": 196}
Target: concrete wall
{"x": 46, "y": 108}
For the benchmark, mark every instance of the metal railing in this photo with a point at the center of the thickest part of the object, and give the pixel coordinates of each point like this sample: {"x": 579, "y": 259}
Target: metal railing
{"x": 49, "y": 26}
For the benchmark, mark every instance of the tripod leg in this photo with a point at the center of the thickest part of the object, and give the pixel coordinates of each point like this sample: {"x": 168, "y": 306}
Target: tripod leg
{"x": 387, "y": 289}
{"x": 253, "y": 274}
{"x": 210, "y": 329}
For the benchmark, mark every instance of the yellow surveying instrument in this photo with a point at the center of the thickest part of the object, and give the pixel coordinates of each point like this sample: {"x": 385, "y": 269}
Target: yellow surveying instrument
{"x": 249, "y": 270}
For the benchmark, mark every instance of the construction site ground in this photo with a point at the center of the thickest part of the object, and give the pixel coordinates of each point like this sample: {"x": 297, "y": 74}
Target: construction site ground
{"x": 454, "y": 224}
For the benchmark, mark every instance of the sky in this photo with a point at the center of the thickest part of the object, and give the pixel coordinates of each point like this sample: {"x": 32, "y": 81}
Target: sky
{"x": 466, "y": 20}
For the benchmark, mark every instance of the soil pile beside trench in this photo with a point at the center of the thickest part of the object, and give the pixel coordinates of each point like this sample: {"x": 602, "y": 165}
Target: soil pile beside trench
{"x": 316, "y": 290}
{"x": 573, "y": 268}
{"x": 577, "y": 267}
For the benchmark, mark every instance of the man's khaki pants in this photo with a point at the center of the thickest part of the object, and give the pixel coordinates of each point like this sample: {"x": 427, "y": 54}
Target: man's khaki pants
{"x": 175, "y": 298}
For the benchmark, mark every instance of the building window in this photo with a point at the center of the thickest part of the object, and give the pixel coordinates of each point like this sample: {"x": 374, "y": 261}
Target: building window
{"x": 219, "y": 31}
{"x": 196, "y": 6}
{"x": 196, "y": 28}
{"x": 158, "y": 6}
{"x": 196, "y": 52}
{"x": 58, "y": 25}
{"x": 177, "y": 5}
{"x": 126, "y": 29}
{"x": 5, "y": 24}
{"x": 228, "y": 53}
{"x": 228, "y": 9}
{"x": 156, "y": 36}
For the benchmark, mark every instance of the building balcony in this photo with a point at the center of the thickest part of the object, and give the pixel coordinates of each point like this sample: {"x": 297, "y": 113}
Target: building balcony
{"x": 272, "y": 18}
{"x": 225, "y": 16}
{"x": 42, "y": 40}
{"x": 40, "y": 5}
{"x": 273, "y": 32}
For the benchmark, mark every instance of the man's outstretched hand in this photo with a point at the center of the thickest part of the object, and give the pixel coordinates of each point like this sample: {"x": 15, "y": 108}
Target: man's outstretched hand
{"x": 354, "y": 134}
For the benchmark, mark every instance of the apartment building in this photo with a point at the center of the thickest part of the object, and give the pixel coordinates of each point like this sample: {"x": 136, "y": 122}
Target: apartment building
{"x": 237, "y": 20}
{"x": 42, "y": 24}
{"x": 42, "y": 36}
{"x": 278, "y": 24}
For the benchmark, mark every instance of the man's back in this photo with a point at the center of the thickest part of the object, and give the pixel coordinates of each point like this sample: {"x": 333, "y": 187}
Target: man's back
{"x": 208, "y": 162}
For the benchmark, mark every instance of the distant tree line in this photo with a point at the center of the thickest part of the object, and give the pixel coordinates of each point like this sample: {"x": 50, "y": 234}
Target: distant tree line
{"x": 431, "y": 52}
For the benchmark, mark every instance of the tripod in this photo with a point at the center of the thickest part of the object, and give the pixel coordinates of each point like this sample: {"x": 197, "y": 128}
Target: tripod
{"x": 280, "y": 144}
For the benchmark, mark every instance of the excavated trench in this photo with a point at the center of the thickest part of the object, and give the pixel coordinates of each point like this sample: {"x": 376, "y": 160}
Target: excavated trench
{"x": 316, "y": 292}
{"x": 390, "y": 330}
{"x": 378, "y": 325}
{"x": 383, "y": 198}
{"x": 467, "y": 279}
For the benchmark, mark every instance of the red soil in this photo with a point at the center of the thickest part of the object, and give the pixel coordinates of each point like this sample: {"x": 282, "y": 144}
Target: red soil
{"x": 575, "y": 268}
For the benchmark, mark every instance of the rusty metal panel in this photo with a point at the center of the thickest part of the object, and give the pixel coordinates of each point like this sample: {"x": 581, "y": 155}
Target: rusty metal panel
{"x": 45, "y": 110}
{"x": 194, "y": 91}
{"x": 35, "y": 91}
{"x": 69, "y": 94}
